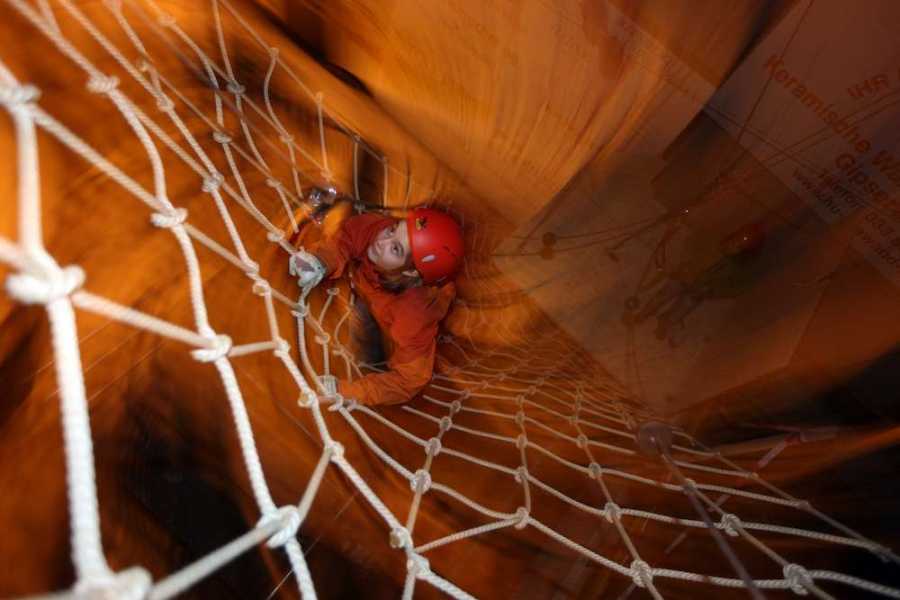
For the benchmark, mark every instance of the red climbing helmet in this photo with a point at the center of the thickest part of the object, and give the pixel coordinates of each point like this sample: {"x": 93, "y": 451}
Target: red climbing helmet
{"x": 436, "y": 241}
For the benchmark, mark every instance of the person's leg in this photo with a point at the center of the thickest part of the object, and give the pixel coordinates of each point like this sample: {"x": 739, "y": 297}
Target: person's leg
{"x": 366, "y": 342}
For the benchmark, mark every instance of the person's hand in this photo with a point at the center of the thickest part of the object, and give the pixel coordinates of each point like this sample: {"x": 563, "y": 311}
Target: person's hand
{"x": 329, "y": 385}
{"x": 330, "y": 395}
{"x": 336, "y": 402}
{"x": 308, "y": 269}
{"x": 325, "y": 400}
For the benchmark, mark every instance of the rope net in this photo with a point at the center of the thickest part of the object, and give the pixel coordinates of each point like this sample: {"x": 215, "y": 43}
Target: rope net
{"x": 562, "y": 439}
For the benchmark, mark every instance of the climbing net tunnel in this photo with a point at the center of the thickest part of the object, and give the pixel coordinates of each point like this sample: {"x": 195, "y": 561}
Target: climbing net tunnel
{"x": 522, "y": 470}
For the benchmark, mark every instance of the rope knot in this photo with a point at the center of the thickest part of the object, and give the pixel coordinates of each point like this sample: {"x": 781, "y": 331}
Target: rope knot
{"x": 300, "y": 311}
{"x": 212, "y": 182}
{"x": 433, "y": 447}
{"x": 55, "y": 285}
{"x": 582, "y": 441}
{"x": 418, "y": 566}
{"x": 282, "y": 347}
{"x": 323, "y": 339}
{"x": 522, "y": 441}
{"x": 445, "y": 424}
{"x": 221, "y": 137}
{"x": 520, "y": 418}
{"x": 520, "y": 401}
{"x": 640, "y": 573}
{"x": 169, "y": 220}
{"x": 531, "y": 390}
{"x": 236, "y": 88}
{"x": 164, "y": 103}
{"x": 613, "y": 512}
{"x": 273, "y": 52}
{"x": 400, "y": 538}
{"x": 101, "y": 84}
{"x": 16, "y": 95}
{"x": 306, "y": 399}
{"x": 521, "y": 474}
{"x": 261, "y": 287}
{"x": 522, "y": 516}
{"x": 455, "y": 407}
{"x": 421, "y": 482}
{"x": 289, "y": 518}
{"x": 332, "y": 291}
{"x": 596, "y": 470}
{"x": 275, "y": 236}
{"x": 273, "y": 183}
{"x": 797, "y": 578}
{"x": 690, "y": 484}
{"x": 251, "y": 268}
{"x": 335, "y": 450}
{"x": 220, "y": 346}
{"x": 286, "y": 138}
{"x": 730, "y": 523}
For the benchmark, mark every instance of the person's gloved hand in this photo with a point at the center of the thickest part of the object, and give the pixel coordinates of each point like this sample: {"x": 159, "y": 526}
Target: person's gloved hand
{"x": 308, "y": 269}
{"x": 331, "y": 396}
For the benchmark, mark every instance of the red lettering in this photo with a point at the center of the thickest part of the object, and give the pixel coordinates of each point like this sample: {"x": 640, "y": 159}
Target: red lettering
{"x": 888, "y": 165}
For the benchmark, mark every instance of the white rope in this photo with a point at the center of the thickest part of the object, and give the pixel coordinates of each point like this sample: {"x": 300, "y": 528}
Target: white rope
{"x": 51, "y": 286}
{"x": 39, "y": 280}
{"x": 124, "y": 314}
{"x": 468, "y": 533}
{"x": 182, "y": 580}
{"x": 213, "y": 180}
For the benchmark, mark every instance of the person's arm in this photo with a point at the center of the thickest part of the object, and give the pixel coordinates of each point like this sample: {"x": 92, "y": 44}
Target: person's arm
{"x": 410, "y": 369}
{"x": 414, "y": 334}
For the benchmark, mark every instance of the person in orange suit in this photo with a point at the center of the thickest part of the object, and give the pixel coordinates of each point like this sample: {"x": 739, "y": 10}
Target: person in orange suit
{"x": 402, "y": 271}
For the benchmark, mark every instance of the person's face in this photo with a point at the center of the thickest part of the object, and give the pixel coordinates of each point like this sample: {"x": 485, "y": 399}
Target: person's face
{"x": 390, "y": 249}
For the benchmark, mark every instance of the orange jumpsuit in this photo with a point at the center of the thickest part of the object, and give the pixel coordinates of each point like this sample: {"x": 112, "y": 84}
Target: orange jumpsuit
{"x": 408, "y": 320}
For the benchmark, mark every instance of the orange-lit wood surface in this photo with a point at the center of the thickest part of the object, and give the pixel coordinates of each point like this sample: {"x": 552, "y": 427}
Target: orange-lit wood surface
{"x": 524, "y": 118}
